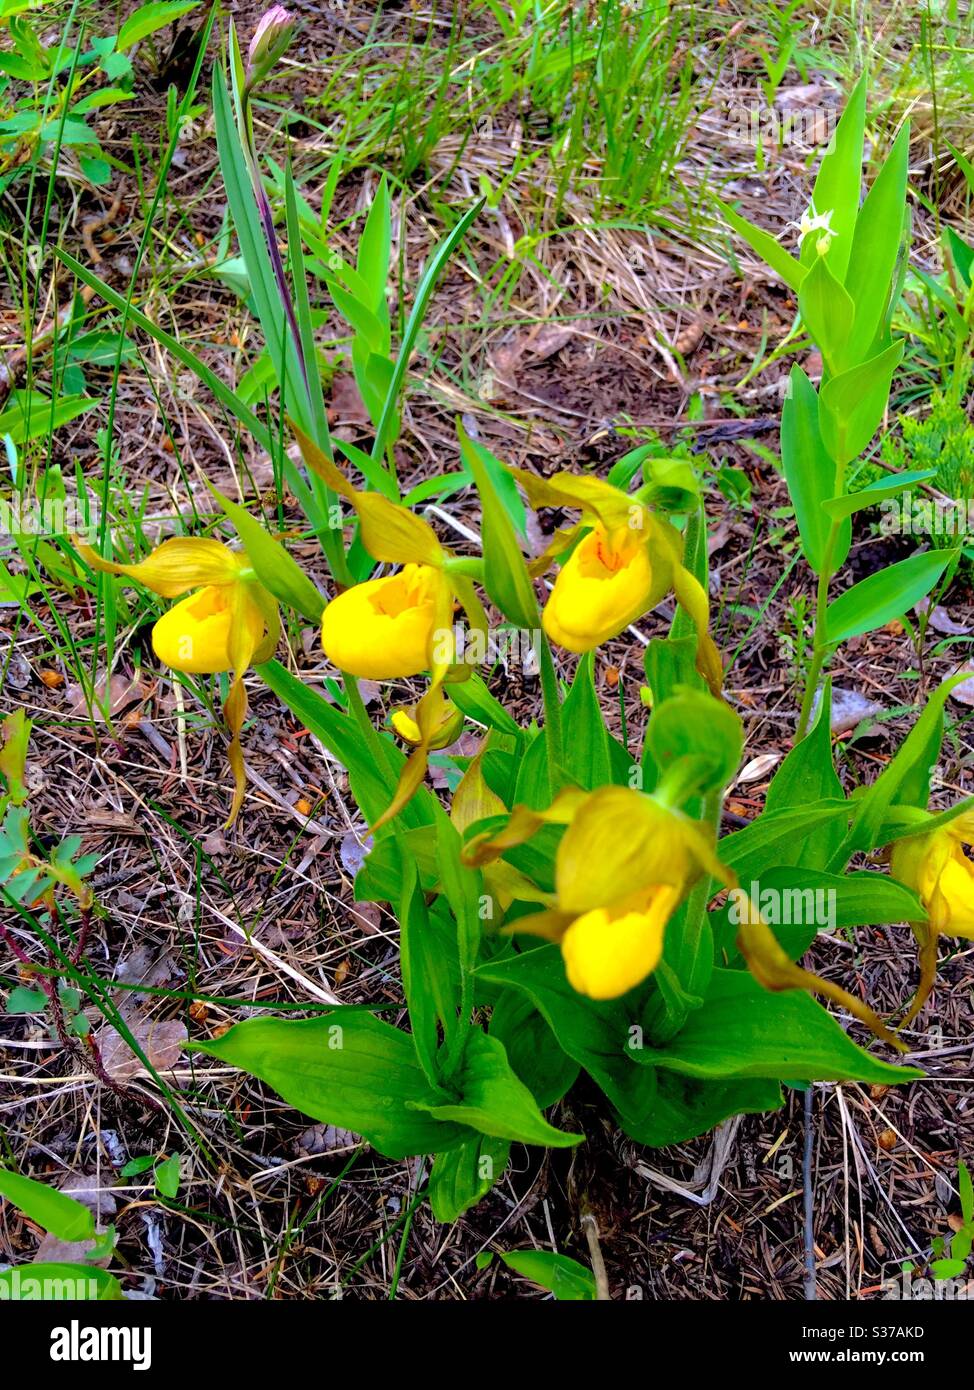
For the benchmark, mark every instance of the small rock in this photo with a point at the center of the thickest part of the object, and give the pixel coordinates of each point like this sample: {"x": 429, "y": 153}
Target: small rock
{"x": 964, "y": 693}
{"x": 353, "y": 852}
{"x": 849, "y": 709}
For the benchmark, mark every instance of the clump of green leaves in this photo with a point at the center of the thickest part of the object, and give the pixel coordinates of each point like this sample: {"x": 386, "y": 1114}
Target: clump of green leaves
{"x": 47, "y": 91}
{"x": 69, "y": 1220}
{"x": 942, "y": 443}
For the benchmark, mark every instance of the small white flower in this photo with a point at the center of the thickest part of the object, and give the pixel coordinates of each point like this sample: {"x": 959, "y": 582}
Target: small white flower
{"x": 812, "y": 221}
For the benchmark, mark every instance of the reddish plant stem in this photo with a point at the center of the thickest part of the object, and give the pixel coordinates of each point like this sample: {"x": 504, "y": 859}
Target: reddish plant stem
{"x": 84, "y": 931}
{"x": 15, "y": 949}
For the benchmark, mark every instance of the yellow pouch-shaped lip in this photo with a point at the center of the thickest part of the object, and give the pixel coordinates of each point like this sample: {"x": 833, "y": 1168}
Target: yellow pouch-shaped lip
{"x": 194, "y": 635}
{"x": 607, "y": 952}
{"x": 956, "y": 887}
{"x": 207, "y": 632}
{"x": 383, "y": 629}
{"x": 605, "y": 584}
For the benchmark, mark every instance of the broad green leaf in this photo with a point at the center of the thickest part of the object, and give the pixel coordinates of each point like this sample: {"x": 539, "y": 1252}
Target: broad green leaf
{"x": 810, "y": 473}
{"x": 463, "y": 1175}
{"x": 32, "y": 415}
{"x": 462, "y": 889}
{"x": 345, "y": 1068}
{"x": 373, "y": 333}
{"x": 167, "y": 1176}
{"x": 533, "y": 786}
{"x": 375, "y": 475}
{"x": 100, "y": 348}
{"x": 776, "y": 837}
{"x": 16, "y": 65}
{"x": 875, "y": 248}
{"x": 56, "y": 1282}
{"x": 851, "y": 405}
{"x": 685, "y": 1108}
{"x": 137, "y": 1166}
{"x": 569, "y": 1281}
{"x": 885, "y": 595}
{"x": 506, "y": 489}
{"x": 57, "y": 1213}
{"x": 430, "y": 978}
{"x": 148, "y": 18}
{"x": 276, "y": 570}
{"x": 477, "y": 703}
{"x": 380, "y": 878}
{"x": 22, "y": 1000}
{"x": 827, "y": 312}
{"x": 772, "y": 252}
{"x": 839, "y": 181}
{"x": 596, "y": 1035}
{"x": 587, "y": 760}
{"x": 876, "y": 492}
{"x": 105, "y": 96}
{"x": 506, "y": 577}
{"x": 807, "y": 775}
{"x": 374, "y": 249}
{"x": 532, "y": 1049}
{"x": 494, "y": 1101}
{"x": 744, "y": 1030}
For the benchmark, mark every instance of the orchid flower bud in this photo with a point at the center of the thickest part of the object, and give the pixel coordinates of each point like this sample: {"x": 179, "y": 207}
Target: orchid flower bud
{"x": 270, "y": 41}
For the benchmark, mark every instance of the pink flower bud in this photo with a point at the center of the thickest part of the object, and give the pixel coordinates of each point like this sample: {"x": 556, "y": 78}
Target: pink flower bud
{"x": 271, "y": 38}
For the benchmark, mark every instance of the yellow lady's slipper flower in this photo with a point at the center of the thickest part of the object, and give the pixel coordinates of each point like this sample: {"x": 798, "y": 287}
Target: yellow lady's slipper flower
{"x": 386, "y": 628}
{"x": 195, "y": 636}
{"x": 627, "y": 561}
{"x": 937, "y": 869}
{"x": 607, "y": 582}
{"x": 935, "y": 866}
{"x": 401, "y": 624}
{"x": 623, "y": 866}
{"x": 230, "y": 622}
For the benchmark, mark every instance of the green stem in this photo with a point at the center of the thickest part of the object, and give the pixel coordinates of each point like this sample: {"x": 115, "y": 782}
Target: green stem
{"x": 470, "y": 565}
{"x": 373, "y": 741}
{"x": 689, "y": 967}
{"x": 552, "y": 713}
{"x": 819, "y": 644}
